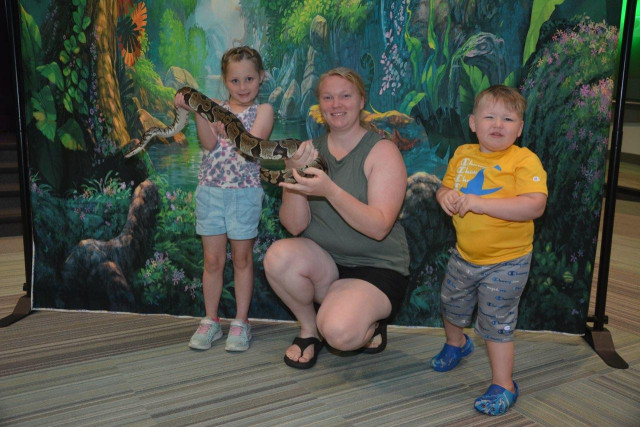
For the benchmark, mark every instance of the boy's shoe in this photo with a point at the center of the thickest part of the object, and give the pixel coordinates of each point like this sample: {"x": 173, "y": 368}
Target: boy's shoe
{"x": 496, "y": 400}
{"x": 208, "y": 331}
{"x": 450, "y": 356}
{"x": 239, "y": 336}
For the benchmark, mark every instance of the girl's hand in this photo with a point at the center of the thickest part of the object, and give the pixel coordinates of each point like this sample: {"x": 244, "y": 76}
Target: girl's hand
{"x": 318, "y": 184}
{"x": 303, "y": 156}
{"x": 179, "y": 102}
{"x": 218, "y": 129}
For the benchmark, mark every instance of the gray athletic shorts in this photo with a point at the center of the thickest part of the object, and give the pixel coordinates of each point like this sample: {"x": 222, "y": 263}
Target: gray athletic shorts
{"x": 494, "y": 288}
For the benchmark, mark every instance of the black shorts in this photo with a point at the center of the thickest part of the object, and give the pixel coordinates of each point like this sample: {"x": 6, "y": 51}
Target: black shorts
{"x": 390, "y": 282}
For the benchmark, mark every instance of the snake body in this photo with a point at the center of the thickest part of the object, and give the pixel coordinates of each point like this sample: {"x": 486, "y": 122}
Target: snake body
{"x": 245, "y": 142}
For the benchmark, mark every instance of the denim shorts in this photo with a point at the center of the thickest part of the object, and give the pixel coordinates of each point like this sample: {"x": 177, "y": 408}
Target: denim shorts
{"x": 495, "y": 289}
{"x": 231, "y": 211}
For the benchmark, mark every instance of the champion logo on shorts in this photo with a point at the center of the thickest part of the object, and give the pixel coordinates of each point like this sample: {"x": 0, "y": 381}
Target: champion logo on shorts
{"x": 507, "y": 328}
{"x": 536, "y": 179}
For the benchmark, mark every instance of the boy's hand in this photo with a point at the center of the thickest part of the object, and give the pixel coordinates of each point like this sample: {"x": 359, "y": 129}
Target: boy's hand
{"x": 470, "y": 203}
{"x": 448, "y": 200}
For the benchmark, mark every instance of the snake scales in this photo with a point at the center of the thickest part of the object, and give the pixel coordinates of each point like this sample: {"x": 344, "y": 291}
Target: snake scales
{"x": 237, "y": 134}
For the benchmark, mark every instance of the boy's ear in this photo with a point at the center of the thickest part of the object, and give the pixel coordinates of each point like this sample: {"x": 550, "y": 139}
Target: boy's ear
{"x": 261, "y": 76}
{"x": 472, "y": 122}
{"x": 521, "y": 128}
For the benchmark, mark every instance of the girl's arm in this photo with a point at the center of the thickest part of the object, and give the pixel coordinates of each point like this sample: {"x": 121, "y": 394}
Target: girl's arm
{"x": 263, "y": 124}
{"x": 207, "y": 132}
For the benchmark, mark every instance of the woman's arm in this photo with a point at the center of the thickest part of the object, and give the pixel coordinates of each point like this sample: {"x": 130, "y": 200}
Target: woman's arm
{"x": 387, "y": 183}
{"x": 295, "y": 214}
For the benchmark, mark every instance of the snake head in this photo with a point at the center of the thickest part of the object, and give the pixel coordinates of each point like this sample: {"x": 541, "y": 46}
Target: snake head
{"x": 132, "y": 148}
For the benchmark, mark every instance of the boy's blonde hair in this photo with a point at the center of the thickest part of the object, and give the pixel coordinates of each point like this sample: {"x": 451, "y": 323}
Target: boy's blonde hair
{"x": 510, "y": 97}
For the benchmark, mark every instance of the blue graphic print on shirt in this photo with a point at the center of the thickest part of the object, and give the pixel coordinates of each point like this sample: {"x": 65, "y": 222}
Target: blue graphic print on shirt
{"x": 475, "y": 185}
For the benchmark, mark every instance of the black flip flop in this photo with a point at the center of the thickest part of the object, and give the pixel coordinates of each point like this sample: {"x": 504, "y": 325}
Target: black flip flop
{"x": 381, "y": 330}
{"x": 302, "y": 344}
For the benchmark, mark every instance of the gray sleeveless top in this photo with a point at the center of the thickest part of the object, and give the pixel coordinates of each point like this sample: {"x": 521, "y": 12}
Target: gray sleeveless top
{"x": 347, "y": 246}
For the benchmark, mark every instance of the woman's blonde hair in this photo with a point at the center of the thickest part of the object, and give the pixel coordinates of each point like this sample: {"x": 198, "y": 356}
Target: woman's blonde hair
{"x": 352, "y": 77}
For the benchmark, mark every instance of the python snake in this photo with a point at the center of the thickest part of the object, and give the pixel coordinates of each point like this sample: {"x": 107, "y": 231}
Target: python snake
{"x": 237, "y": 134}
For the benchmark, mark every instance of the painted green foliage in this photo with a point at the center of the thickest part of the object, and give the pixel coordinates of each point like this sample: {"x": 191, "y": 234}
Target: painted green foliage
{"x": 572, "y": 144}
{"x": 297, "y": 24}
{"x": 567, "y": 130}
{"x": 173, "y": 45}
{"x": 540, "y": 12}
{"x": 64, "y": 79}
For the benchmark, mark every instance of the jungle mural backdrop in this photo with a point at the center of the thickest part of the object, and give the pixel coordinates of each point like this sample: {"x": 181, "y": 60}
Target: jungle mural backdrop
{"x": 119, "y": 234}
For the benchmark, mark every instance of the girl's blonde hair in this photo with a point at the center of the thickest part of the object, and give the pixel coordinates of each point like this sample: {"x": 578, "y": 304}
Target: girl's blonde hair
{"x": 352, "y": 77}
{"x": 236, "y": 54}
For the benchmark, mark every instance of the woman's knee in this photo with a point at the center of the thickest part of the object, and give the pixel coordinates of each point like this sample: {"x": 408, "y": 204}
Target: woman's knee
{"x": 340, "y": 333}
{"x": 278, "y": 258}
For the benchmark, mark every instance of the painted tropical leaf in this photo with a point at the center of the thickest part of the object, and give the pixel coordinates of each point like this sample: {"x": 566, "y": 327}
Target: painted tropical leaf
{"x": 510, "y": 80}
{"x": 44, "y": 112}
{"x": 31, "y": 43}
{"x": 139, "y": 18}
{"x": 124, "y": 6}
{"x": 540, "y": 12}
{"x": 127, "y": 34}
{"x": 477, "y": 79}
{"x": 70, "y": 135}
{"x": 130, "y": 31}
{"x": 411, "y": 100}
{"x": 52, "y": 73}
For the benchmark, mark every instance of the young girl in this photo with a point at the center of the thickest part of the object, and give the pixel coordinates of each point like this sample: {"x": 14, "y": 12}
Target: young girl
{"x": 229, "y": 198}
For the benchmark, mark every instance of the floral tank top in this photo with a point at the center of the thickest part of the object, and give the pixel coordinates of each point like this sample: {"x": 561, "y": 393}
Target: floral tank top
{"x": 225, "y": 166}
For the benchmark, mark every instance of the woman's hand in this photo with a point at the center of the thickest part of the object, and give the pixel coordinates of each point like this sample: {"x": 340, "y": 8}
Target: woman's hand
{"x": 317, "y": 184}
{"x": 303, "y": 156}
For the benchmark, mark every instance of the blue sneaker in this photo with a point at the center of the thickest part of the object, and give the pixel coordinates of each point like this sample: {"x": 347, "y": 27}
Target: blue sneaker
{"x": 208, "y": 331}
{"x": 496, "y": 400}
{"x": 450, "y": 356}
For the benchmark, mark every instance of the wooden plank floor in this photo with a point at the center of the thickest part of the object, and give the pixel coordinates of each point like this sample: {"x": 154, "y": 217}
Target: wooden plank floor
{"x": 78, "y": 368}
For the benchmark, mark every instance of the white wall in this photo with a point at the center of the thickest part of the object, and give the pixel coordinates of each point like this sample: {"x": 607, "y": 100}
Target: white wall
{"x": 631, "y": 138}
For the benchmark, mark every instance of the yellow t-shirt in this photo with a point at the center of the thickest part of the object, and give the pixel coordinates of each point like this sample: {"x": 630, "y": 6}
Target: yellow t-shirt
{"x": 482, "y": 239}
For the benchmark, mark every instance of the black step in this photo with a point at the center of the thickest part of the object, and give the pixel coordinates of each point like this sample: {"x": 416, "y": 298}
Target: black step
{"x": 9, "y": 215}
{"x": 9, "y": 167}
{"x": 8, "y": 141}
{"x": 9, "y": 190}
